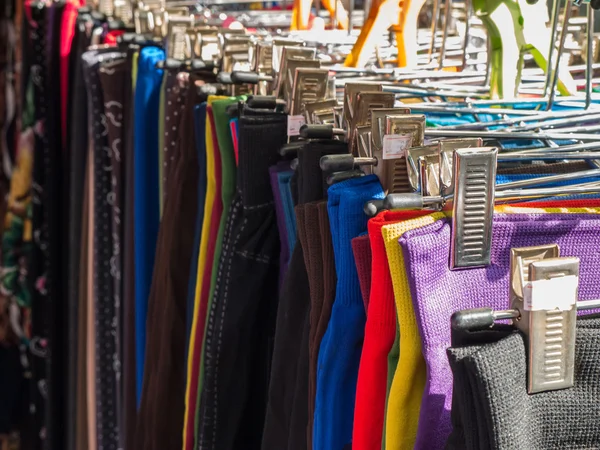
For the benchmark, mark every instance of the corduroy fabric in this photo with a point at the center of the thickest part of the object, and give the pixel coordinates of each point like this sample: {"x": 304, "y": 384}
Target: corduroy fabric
{"x": 493, "y": 376}
{"x": 437, "y": 291}
{"x": 240, "y": 326}
{"x": 361, "y": 248}
{"x": 380, "y": 331}
{"x": 408, "y": 381}
{"x": 339, "y": 354}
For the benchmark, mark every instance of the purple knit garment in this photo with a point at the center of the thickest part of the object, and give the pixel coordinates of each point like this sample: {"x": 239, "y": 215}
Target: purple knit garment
{"x": 437, "y": 292}
{"x": 284, "y": 255}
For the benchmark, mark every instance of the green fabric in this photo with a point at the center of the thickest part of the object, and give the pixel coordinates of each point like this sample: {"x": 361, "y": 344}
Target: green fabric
{"x": 161, "y": 143}
{"x": 228, "y": 173}
{"x": 228, "y": 185}
{"x": 134, "y": 69}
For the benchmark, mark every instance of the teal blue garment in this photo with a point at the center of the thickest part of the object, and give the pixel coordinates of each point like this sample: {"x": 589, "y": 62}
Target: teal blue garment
{"x": 146, "y": 198}
{"x": 501, "y": 179}
{"x": 283, "y": 181}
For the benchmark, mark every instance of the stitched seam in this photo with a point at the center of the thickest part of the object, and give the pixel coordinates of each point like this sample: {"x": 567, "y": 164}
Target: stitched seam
{"x": 254, "y": 207}
{"x": 234, "y": 209}
{"x": 255, "y": 257}
{"x": 225, "y": 296}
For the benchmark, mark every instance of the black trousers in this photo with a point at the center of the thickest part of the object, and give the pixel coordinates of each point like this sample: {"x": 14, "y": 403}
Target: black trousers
{"x": 240, "y": 328}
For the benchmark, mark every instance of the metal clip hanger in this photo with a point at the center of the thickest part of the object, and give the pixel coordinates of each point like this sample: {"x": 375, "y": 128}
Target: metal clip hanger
{"x": 471, "y": 204}
{"x": 543, "y": 298}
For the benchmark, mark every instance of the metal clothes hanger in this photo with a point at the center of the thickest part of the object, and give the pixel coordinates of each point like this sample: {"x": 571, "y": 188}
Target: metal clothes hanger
{"x": 543, "y": 301}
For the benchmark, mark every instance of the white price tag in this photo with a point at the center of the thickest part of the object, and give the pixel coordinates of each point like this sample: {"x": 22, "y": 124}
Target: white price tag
{"x": 556, "y": 293}
{"x": 395, "y": 145}
{"x": 293, "y": 125}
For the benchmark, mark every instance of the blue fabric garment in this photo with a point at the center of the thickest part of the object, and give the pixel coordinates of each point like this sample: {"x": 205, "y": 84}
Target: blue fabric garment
{"x": 199, "y": 130}
{"x": 341, "y": 346}
{"x": 283, "y": 179}
{"x": 146, "y": 210}
{"x": 501, "y": 179}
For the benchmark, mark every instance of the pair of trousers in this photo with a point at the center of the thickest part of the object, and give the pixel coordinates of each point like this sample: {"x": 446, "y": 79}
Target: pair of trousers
{"x": 291, "y": 350}
{"x": 240, "y": 325}
{"x": 164, "y": 373}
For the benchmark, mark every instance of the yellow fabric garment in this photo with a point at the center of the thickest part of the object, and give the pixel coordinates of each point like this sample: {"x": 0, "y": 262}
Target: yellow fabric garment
{"x": 408, "y": 382}
{"x": 211, "y": 184}
{"x": 404, "y": 402}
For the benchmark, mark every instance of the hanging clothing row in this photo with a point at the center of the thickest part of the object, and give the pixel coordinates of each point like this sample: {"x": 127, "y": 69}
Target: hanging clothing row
{"x": 223, "y": 236}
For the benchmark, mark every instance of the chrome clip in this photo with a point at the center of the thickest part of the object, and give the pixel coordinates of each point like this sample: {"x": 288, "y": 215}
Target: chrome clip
{"x": 543, "y": 288}
{"x": 310, "y": 85}
{"x": 447, "y": 149}
{"x": 473, "y": 206}
{"x": 289, "y": 53}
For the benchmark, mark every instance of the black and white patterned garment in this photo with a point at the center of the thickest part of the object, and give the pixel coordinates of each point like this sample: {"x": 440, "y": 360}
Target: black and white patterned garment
{"x": 108, "y": 365}
{"x": 114, "y": 78}
{"x": 38, "y": 263}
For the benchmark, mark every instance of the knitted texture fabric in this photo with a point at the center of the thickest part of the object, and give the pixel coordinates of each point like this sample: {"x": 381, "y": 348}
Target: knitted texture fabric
{"x": 404, "y": 400}
{"x": 380, "y": 331}
{"x": 492, "y": 378}
{"x": 437, "y": 291}
{"x": 340, "y": 350}
{"x": 361, "y": 248}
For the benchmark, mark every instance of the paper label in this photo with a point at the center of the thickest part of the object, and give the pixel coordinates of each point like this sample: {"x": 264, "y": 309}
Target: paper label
{"x": 547, "y": 295}
{"x": 293, "y": 125}
{"x": 395, "y": 145}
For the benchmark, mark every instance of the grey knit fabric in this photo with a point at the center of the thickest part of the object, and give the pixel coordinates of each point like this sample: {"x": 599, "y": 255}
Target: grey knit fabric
{"x": 492, "y": 410}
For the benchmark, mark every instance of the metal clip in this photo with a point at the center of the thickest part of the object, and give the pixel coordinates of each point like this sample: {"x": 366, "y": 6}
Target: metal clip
{"x": 278, "y": 45}
{"x": 544, "y": 291}
{"x": 310, "y": 85}
{"x": 473, "y": 206}
{"x": 320, "y": 112}
{"x": 429, "y": 174}
{"x": 351, "y": 91}
{"x": 447, "y": 149}
{"x": 413, "y": 155}
{"x": 365, "y": 102}
{"x": 262, "y": 63}
{"x": 291, "y": 65}
{"x": 289, "y": 53}
{"x": 378, "y": 123}
{"x": 178, "y": 45}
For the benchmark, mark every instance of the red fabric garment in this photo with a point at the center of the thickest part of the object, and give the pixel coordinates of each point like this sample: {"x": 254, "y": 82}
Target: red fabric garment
{"x": 67, "y": 31}
{"x": 111, "y": 37}
{"x": 233, "y": 128}
{"x": 380, "y": 332}
{"x": 204, "y": 293}
{"x": 361, "y": 248}
{"x": 380, "y": 328}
